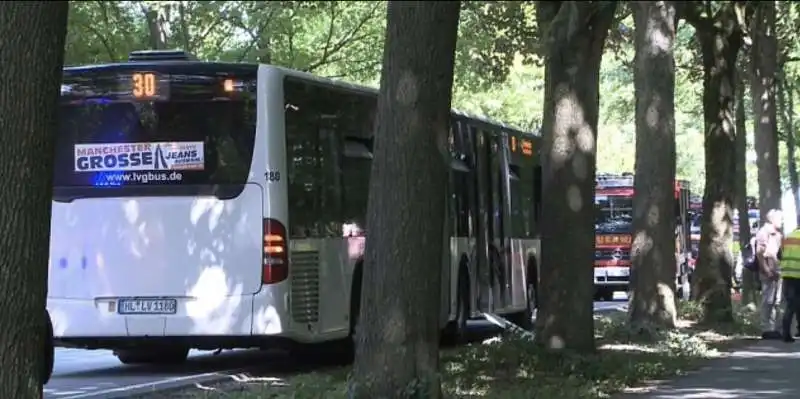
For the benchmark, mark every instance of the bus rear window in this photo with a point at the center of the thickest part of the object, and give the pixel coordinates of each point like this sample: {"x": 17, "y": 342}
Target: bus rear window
{"x": 200, "y": 135}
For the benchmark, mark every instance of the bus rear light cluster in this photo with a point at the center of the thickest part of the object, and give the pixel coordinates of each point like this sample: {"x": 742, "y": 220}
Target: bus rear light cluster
{"x": 276, "y": 253}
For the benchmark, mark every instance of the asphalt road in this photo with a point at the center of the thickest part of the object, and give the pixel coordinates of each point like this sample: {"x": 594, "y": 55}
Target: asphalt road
{"x": 98, "y": 374}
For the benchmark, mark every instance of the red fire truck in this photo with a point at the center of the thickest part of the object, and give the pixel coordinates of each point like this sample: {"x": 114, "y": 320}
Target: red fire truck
{"x": 613, "y": 233}
{"x": 695, "y": 214}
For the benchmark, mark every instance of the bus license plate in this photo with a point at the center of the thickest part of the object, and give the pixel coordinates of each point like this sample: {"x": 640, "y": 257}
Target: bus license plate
{"x": 147, "y": 306}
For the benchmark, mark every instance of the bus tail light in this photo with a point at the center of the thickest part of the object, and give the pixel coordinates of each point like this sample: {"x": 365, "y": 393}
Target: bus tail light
{"x": 276, "y": 253}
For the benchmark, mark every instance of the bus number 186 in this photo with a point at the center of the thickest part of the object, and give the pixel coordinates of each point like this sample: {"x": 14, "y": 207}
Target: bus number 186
{"x": 273, "y": 176}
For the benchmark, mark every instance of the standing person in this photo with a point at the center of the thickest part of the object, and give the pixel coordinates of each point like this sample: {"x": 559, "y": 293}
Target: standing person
{"x": 768, "y": 244}
{"x": 790, "y": 272}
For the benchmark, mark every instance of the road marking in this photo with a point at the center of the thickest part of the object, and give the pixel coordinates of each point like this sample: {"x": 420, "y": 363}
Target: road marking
{"x": 152, "y": 386}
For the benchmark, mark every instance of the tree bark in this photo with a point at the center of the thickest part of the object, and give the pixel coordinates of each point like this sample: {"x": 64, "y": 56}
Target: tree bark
{"x": 653, "y": 254}
{"x": 31, "y": 57}
{"x": 748, "y": 277}
{"x": 398, "y": 339}
{"x": 720, "y": 40}
{"x": 786, "y": 106}
{"x": 157, "y": 38}
{"x": 569, "y": 153}
{"x": 764, "y": 66}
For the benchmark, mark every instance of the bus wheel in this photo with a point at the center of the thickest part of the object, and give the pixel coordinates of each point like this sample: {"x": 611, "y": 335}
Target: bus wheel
{"x": 524, "y": 319}
{"x": 49, "y": 350}
{"x": 533, "y": 296}
{"x": 152, "y": 355}
{"x": 349, "y": 347}
{"x": 455, "y": 332}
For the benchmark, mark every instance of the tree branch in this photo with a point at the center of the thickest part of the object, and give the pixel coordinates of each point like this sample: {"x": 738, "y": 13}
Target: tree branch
{"x": 204, "y": 35}
{"x": 326, "y": 50}
{"x": 350, "y": 37}
{"x": 255, "y": 34}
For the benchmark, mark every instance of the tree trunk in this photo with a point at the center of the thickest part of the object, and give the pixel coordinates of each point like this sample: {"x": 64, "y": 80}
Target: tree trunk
{"x": 786, "y": 105}
{"x": 720, "y": 40}
{"x": 572, "y": 68}
{"x": 31, "y": 57}
{"x": 748, "y": 277}
{"x": 764, "y": 65}
{"x": 398, "y": 339}
{"x": 653, "y": 257}
{"x": 157, "y": 38}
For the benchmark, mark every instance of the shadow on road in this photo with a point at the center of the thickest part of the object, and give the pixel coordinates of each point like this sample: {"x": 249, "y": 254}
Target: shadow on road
{"x": 764, "y": 370}
{"x": 198, "y": 364}
{"x": 277, "y": 361}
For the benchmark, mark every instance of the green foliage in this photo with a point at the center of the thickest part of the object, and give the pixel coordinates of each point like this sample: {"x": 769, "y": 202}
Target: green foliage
{"x": 102, "y": 32}
{"x": 492, "y": 37}
{"x": 337, "y": 39}
{"x": 497, "y": 61}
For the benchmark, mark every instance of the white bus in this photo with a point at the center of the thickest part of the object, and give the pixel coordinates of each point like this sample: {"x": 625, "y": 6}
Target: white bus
{"x": 215, "y": 206}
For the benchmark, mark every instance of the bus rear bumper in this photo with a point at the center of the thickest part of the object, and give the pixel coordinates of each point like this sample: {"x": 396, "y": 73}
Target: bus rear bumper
{"x": 84, "y": 318}
{"x": 75, "y": 320}
{"x": 246, "y": 321}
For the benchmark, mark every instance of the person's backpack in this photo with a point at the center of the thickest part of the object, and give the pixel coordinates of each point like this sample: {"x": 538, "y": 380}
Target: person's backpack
{"x": 749, "y": 258}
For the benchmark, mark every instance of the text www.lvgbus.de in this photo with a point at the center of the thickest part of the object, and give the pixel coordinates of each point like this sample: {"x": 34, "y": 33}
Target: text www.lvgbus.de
{"x": 143, "y": 177}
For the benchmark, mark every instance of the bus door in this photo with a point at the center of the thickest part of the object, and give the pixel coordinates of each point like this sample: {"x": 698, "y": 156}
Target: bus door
{"x": 504, "y": 176}
{"x": 492, "y": 239}
{"x": 683, "y": 244}
{"x": 457, "y": 219}
{"x": 685, "y": 221}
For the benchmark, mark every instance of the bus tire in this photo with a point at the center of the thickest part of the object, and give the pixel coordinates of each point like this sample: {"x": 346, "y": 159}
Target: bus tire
{"x": 355, "y": 298}
{"x": 355, "y": 313}
{"x": 49, "y": 350}
{"x": 524, "y": 319}
{"x": 533, "y": 284}
{"x": 456, "y": 330}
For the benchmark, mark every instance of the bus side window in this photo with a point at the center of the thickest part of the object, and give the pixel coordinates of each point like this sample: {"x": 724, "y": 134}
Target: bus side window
{"x": 537, "y": 196}
{"x": 459, "y": 192}
{"x": 460, "y": 174}
{"x": 520, "y": 225}
{"x": 356, "y": 161}
{"x": 331, "y": 174}
{"x": 525, "y": 197}
{"x": 314, "y": 190}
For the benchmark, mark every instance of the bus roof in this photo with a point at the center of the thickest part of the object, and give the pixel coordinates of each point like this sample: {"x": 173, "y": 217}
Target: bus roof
{"x": 223, "y": 67}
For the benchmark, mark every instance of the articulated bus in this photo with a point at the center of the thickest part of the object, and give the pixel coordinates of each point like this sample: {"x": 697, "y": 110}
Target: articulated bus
{"x": 216, "y": 206}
